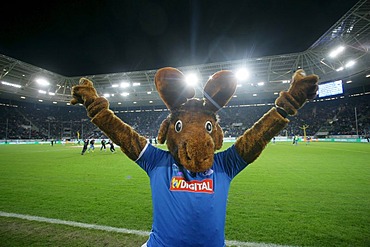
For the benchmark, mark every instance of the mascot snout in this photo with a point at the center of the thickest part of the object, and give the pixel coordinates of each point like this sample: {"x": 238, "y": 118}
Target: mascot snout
{"x": 196, "y": 154}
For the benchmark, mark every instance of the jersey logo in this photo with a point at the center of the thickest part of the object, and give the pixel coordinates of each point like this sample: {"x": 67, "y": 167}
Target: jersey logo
{"x": 180, "y": 184}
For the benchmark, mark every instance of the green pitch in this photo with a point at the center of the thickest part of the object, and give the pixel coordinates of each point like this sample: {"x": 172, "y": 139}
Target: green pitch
{"x": 305, "y": 195}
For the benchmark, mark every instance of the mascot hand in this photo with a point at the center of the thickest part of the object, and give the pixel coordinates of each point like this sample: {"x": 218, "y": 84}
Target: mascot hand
{"x": 84, "y": 93}
{"x": 302, "y": 88}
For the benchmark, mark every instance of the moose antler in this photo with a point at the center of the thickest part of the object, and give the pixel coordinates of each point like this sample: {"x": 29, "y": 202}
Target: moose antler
{"x": 172, "y": 88}
{"x": 219, "y": 89}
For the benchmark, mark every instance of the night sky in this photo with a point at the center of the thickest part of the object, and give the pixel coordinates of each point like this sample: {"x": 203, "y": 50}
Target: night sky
{"x": 75, "y": 38}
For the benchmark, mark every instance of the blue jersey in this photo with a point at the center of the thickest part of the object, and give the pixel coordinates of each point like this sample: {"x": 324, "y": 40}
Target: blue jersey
{"x": 189, "y": 212}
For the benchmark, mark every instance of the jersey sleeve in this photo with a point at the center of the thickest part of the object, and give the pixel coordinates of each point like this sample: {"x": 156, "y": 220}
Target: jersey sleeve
{"x": 231, "y": 162}
{"x": 150, "y": 157}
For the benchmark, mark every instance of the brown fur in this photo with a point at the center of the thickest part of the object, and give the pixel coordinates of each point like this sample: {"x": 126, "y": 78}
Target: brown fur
{"x": 193, "y": 146}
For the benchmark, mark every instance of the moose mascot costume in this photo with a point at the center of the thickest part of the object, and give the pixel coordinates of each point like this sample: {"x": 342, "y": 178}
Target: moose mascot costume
{"x": 190, "y": 182}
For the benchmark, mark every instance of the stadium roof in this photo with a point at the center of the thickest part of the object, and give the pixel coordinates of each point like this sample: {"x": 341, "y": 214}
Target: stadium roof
{"x": 352, "y": 32}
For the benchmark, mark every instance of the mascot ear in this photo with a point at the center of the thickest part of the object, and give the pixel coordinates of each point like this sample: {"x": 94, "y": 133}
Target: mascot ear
{"x": 219, "y": 89}
{"x": 172, "y": 88}
{"x": 162, "y": 133}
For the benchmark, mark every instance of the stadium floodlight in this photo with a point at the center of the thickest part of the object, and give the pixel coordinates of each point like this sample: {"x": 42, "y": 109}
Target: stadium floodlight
{"x": 42, "y": 82}
{"x": 260, "y": 83}
{"x": 106, "y": 95}
{"x": 54, "y": 102}
{"x": 11, "y": 84}
{"x": 135, "y": 84}
{"x": 349, "y": 64}
{"x": 115, "y": 85}
{"x": 125, "y": 94}
{"x": 191, "y": 79}
{"x": 149, "y": 92}
{"x": 124, "y": 84}
{"x": 334, "y": 53}
{"x": 254, "y": 95}
{"x": 340, "y": 68}
{"x": 242, "y": 74}
{"x": 42, "y": 91}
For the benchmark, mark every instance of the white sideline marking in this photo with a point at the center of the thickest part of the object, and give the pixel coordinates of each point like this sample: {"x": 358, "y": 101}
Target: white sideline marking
{"x": 119, "y": 230}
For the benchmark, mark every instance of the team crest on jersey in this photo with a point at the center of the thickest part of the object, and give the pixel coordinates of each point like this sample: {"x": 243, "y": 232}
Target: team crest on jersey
{"x": 180, "y": 184}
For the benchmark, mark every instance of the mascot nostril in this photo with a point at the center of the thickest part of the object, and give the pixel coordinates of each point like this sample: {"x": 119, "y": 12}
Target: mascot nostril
{"x": 197, "y": 156}
{"x": 190, "y": 182}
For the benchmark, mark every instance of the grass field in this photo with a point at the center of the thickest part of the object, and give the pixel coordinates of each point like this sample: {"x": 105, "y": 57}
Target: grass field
{"x": 305, "y": 195}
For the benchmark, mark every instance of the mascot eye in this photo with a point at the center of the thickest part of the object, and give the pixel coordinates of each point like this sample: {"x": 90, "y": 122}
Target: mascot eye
{"x": 178, "y": 126}
{"x": 208, "y": 126}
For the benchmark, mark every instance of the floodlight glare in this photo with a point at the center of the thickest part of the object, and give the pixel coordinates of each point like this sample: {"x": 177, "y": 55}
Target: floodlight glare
{"x": 336, "y": 51}
{"x": 125, "y": 84}
{"x": 349, "y": 64}
{"x": 42, "y": 82}
{"x": 11, "y": 84}
{"x": 125, "y": 94}
{"x": 191, "y": 79}
{"x": 340, "y": 68}
{"x": 242, "y": 74}
{"x": 42, "y": 91}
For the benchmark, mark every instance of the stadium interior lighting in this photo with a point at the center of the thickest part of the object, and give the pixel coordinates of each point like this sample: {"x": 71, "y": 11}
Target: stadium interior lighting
{"x": 51, "y": 93}
{"x": 40, "y": 100}
{"x": 191, "y": 79}
{"x": 125, "y": 94}
{"x": 115, "y": 85}
{"x": 124, "y": 84}
{"x": 11, "y": 84}
{"x": 42, "y": 91}
{"x": 135, "y": 84}
{"x": 149, "y": 92}
{"x": 334, "y": 53}
{"x": 242, "y": 74}
{"x": 349, "y": 64}
{"x": 349, "y": 81}
{"x": 368, "y": 76}
{"x": 106, "y": 95}
{"x": 260, "y": 83}
{"x": 42, "y": 82}
{"x": 254, "y": 95}
{"x": 340, "y": 68}
{"x": 54, "y": 102}
{"x": 22, "y": 97}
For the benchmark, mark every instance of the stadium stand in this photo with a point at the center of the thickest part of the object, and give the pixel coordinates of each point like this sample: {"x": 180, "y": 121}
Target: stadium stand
{"x": 324, "y": 117}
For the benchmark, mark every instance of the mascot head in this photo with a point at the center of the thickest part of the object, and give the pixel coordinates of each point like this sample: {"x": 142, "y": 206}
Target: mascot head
{"x": 192, "y": 131}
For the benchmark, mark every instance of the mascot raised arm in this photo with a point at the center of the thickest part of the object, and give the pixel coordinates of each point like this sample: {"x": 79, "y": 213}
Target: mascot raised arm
{"x": 190, "y": 182}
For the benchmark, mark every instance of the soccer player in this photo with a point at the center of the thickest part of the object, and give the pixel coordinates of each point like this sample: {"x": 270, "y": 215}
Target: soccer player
{"x": 86, "y": 142}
